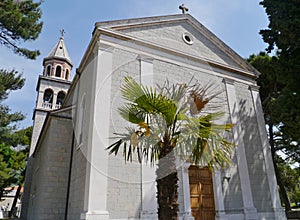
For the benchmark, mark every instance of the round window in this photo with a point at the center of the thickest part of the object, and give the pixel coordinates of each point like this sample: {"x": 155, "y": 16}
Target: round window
{"x": 188, "y": 38}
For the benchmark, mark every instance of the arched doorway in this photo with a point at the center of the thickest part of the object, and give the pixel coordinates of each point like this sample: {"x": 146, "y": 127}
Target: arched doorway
{"x": 201, "y": 193}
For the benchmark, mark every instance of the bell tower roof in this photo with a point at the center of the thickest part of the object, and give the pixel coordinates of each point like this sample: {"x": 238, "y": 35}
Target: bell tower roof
{"x": 60, "y": 52}
{"x": 58, "y": 63}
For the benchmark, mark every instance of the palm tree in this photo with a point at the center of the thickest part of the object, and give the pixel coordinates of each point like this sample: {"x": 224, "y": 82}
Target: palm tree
{"x": 168, "y": 123}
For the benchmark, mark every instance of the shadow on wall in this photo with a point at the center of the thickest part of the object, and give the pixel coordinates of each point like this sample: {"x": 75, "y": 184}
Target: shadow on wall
{"x": 254, "y": 154}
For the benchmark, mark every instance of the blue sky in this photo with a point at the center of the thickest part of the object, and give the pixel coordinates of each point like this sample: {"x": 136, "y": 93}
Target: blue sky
{"x": 235, "y": 22}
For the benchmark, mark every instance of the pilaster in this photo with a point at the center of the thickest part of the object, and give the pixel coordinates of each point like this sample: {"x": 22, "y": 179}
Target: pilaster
{"x": 146, "y": 76}
{"x": 250, "y": 211}
{"x": 98, "y": 137}
{"x": 277, "y": 208}
{"x": 148, "y": 179}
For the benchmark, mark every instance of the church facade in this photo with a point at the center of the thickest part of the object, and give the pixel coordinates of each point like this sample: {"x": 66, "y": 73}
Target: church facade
{"x": 72, "y": 176}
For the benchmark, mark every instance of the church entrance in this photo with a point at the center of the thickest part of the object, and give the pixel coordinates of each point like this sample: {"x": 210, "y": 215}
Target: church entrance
{"x": 201, "y": 193}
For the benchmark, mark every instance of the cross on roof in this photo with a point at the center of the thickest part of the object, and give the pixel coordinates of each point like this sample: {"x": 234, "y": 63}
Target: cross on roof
{"x": 62, "y": 32}
{"x": 183, "y": 8}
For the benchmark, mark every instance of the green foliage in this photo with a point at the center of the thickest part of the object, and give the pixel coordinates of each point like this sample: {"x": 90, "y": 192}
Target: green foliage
{"x": 144, "y": 101}
{"x": 284, "y": 27}
{"x": 19, "y": 21}
{"x": 4, "y": 173}
{"x": 283, "y": 34}
{"x": 201, "y": 141}
{"x": 9, "y": 81}
{"x": 291, "y": 179}
{"x": 13, "y": 159}
{"x": 163, "y": 119}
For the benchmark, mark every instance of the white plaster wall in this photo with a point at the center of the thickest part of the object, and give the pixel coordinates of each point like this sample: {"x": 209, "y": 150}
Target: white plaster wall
{"x": 80, "y": 164}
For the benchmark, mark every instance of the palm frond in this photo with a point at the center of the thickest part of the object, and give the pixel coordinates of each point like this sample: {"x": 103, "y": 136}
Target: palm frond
{"x": 200, "y": 96}
{"x": 163, "y": 117}
{"x": 146, "y": 99}
{"x": 131, "y": 90}
{"x": 201, "y": 141}
{"x": 132, "y": 113}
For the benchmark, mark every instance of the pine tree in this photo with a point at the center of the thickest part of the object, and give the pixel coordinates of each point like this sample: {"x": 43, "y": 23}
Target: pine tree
{"x": 19, "y": 21}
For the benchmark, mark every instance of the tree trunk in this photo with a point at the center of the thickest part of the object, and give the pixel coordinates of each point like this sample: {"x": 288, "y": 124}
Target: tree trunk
{"x": 13, "y": 207}
{"x": 282, "y": 190}
{"x": 167, "y": 187}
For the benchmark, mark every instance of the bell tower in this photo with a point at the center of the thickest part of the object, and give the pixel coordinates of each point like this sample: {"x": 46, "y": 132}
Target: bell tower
{"x": 52, "y": 86}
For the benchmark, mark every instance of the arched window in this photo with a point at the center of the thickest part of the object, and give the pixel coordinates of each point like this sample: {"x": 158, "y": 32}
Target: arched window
{"x": 48, "y": 98}
{"x": 58, "y": 71}
{"x": 67, "y": 74}
{"x": 48, "y": 70}
{"x": 60, "y": 98}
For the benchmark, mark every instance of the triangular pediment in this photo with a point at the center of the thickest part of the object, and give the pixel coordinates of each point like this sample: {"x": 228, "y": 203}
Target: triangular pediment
{"x": 181, "y": 33}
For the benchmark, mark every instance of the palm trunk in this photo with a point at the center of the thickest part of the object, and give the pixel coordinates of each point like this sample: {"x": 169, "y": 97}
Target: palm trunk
{"x": 282, "y": 190}
{"x": 167, "y": 186}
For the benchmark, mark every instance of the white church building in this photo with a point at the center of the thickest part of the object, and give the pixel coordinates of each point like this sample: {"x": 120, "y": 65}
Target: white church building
{"x": 70, "y": 175}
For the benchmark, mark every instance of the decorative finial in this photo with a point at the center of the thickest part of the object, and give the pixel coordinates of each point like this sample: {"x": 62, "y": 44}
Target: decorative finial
{"x": 183, "y": 9}
{"x": 62, "y": 32}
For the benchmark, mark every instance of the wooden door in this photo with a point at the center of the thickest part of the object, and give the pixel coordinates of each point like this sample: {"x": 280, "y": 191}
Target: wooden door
{"x": 201, "y": 193}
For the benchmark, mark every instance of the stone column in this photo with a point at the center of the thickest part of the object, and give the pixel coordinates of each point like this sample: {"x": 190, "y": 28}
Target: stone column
{"x": 54, "y": 99}
{"x": 219, "y": 196}
{"x": 279, "y": 213}
{"x": 40, "y": 99}
{"x": 183, "y": 172}
{"x": 250, "y": 211}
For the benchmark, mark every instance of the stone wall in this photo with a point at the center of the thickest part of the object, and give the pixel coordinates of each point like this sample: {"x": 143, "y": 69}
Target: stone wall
{"x": 171, "y": 36}
{"x": 39, "y": 119}
{"x": 50, "y": 172}
{"x": 124, "y": 178}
